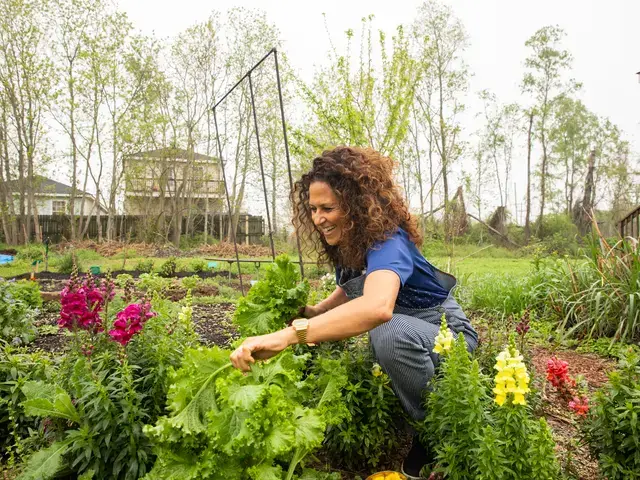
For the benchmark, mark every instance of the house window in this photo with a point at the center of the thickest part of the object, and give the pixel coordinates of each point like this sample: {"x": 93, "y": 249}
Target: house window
{"x": 59, "y": 207}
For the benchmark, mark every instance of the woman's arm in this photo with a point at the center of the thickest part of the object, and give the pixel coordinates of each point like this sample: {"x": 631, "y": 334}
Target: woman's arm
{"x": 360, "y": 315}
{"x": 346, "y": 320}
{"x": 337, "y": 298}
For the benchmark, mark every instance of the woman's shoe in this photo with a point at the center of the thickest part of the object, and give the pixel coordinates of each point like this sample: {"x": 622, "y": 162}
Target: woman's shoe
{"x": 415, "y": 460}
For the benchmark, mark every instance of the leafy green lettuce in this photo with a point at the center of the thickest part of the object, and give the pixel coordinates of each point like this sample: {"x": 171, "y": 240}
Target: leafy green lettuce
{"x": 272, "y": 301}
{"x": 260, "y": 426}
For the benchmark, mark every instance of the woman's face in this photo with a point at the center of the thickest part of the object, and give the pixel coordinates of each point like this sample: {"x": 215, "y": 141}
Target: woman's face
{"x": 326, "y": 213}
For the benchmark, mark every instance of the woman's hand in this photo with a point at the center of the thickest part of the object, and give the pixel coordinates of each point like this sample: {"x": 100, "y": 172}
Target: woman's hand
{"x": 310, "y": 311}
{"x": 262, "y": 348}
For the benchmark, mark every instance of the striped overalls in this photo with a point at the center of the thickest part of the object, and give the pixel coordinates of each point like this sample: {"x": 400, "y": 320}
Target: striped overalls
{"x": 403, "y": 346}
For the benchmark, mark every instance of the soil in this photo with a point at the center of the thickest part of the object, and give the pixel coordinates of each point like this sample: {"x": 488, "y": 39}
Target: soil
{"x": 50, "y": 340}
{"x": 213, "y": 324}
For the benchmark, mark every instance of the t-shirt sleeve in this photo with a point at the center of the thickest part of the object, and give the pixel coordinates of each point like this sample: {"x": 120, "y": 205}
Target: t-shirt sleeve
{"x": 392, "y": 254}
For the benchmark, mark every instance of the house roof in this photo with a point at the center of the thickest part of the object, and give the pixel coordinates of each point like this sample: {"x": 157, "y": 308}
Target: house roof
{"x": 45, "y": 185}
{"x": 172, "y": 153}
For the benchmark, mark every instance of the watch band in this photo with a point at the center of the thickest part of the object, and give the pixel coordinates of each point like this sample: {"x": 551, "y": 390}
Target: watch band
{"x": 302, "y": 335}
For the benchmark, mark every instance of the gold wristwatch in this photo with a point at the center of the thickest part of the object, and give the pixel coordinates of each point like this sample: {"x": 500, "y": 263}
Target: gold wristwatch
{"x": 300, "y": 325}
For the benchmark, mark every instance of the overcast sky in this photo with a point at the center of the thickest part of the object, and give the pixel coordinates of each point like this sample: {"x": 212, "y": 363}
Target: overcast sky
{"x": 603, "y": 37}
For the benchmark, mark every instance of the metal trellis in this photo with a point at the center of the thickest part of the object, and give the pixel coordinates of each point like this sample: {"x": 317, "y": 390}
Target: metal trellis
{"x": 248, "y": 76}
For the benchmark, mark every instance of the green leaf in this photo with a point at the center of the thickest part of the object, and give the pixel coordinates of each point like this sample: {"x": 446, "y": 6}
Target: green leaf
{"x": 308, "y": 474}
{"x": 254, "y": 320}
{"x": 46, "y": 463}
{"x": 245, "y": 396}
{"x": 265, "y": 472}
{"x": 309, "y": 428}
{"x": 44, "y": 400}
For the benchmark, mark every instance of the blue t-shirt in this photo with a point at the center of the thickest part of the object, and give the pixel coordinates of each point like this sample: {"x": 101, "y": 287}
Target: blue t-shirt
{"x": 419, "y": 287}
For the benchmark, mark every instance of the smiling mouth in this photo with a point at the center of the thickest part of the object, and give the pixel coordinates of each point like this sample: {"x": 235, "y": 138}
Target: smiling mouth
{"x": 328, "y": 230}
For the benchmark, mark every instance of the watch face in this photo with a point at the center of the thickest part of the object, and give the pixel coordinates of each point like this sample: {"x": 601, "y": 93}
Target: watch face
{"x": 300, "y": 323}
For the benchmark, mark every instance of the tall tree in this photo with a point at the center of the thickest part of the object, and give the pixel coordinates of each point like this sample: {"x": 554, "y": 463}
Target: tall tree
{"x": 441, "y": 41}
{"x": 571, "y": 136}
{"x": 26, "y": 79}
{"x": 544, "y": 80}
{"x": 500, "y": 128}
{"x": 354, "y": 103}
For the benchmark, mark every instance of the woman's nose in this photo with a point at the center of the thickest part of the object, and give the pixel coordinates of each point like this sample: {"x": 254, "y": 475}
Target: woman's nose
{"x": 318, "y": 219}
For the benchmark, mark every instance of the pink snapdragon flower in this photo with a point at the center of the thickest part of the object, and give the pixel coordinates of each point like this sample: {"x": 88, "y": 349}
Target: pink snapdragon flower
{"x": 80, "y": 305}
{"x": 130, "y": 321}
{"x": 580, "y": 405}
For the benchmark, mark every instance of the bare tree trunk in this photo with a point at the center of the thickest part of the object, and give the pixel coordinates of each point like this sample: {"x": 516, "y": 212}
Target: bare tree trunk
{"x": 543, "y": 174}
{"x": 527, "y": 218}
{"x": 582, "y": 211}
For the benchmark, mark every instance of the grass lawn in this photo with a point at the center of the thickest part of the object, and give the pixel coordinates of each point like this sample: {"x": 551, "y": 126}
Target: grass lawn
{"x": 467, "y": 262}
{"x": 474, "y": 267}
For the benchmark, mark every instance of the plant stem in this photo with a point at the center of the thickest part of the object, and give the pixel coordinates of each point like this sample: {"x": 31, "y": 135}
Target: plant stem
{"x": 206, "y": 384}
{"x": 297, "y": 456}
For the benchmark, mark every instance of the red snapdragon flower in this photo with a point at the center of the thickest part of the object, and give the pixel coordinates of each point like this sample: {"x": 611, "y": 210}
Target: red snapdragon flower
{"x": 130, "y": 321}
{"x": 580, "y": 405}
{"x": 558, "y": 374}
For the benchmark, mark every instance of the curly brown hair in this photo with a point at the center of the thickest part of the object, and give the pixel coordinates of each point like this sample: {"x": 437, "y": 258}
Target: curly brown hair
{"x": 362, "y": 179}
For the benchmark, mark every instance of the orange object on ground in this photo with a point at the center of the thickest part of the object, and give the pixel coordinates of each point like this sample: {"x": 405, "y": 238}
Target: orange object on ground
{"x": 386, "y": 475}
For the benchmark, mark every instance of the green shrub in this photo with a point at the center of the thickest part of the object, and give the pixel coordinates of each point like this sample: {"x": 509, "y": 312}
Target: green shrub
{"x": 122, "y": 280}
{"x": 612, "y": 429}
{"x": 27, "y": 292}
{"x": 31, "y": 252}
{"x": 66, "y": 262}
{"x": 153, "y": 283}
{"x": 18, "y": 433}
{"x": 144, "y": 266}
{"x": 16, "y": 318}
{"x": 558, "y": 234}
{"x": 198, "y": 265}
{"x": 168, "y": 268}
{"x": 373, "y": 428}
{"x": 190, "y": 282}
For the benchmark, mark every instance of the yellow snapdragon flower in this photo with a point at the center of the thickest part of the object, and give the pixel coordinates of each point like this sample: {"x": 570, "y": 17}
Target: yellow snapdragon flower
{"x": 444, "y": 339}
{"x": 512, "y": 376}
{"x": 376, "y": 371}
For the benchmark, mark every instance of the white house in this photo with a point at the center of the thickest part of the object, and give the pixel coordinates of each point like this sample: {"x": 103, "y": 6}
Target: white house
{"x": 53, "y": 198}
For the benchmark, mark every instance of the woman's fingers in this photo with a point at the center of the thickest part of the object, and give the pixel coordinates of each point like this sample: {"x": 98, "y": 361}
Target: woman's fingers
{"x": 242, "y": 358}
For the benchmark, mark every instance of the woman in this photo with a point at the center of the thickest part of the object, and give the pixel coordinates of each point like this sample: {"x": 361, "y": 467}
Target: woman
{"x": 354, "y": 215}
